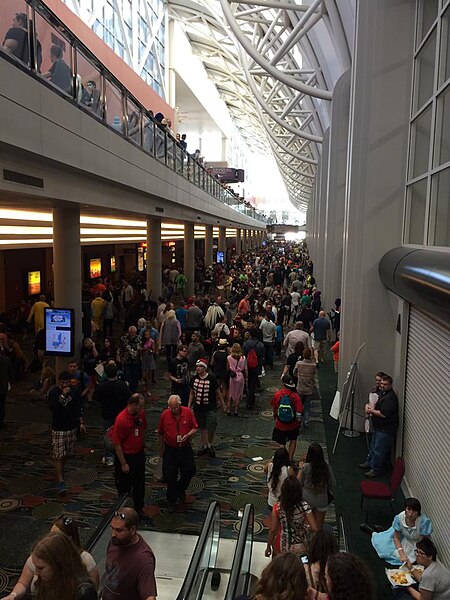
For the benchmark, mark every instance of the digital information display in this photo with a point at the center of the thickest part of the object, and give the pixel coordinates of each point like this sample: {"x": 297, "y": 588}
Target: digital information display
{"x": 34, "y": 282}
{"x": 95, "y": 267}
{"x": 59, "y": 327}
{"x": 219, "y": 256}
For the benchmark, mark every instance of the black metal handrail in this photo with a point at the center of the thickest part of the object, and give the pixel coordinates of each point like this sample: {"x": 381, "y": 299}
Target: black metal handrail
{"x": 240, "y": 575}
{"x": 206, "y": 544}
{"x": 135, "y": 123}
{"x": 93, "y": 540}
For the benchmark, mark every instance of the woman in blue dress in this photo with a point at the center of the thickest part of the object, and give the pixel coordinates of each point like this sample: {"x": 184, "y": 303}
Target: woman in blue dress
{"x": 397, "y": 544}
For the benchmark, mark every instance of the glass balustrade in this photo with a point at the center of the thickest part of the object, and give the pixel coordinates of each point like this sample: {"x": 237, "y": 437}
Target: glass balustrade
{"x": 37, "y": 41}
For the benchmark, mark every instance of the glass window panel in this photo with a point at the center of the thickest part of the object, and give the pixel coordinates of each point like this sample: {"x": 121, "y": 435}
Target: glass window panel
{"x": 160, "y": 143}
{"x": 424, "y": 71}
{"x": 114, "y": 107}
{"x": 417, "y": 196}
{"x": 420, "y": 146}
{"x": 56, "y": 64}
{"x": 442, "y": 137}
{"x": 14, "y": 30}
{"x": 134, "y": 122}
{"x": 89, "y": 85}
{"x": 441, "y": 202}
{"x": 427, "y": 14}
{"x": 148, "y": 134}
{"x": 444, "y": 69}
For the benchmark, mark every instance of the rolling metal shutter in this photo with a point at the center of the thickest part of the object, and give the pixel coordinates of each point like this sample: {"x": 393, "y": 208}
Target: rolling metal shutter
{"x": 426, "y": 435}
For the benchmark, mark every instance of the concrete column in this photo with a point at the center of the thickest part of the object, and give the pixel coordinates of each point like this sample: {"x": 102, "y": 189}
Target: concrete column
{"x": 222, "y": 243}
{"x": 189, "y": 257}
{"x": 244, "y": 240}
{"x": 238, "y": 243}
{"x": 208, "y": 245}
{"x": 154, "y": 257}
{"x": 67, "y": 269}
{"x": 2, "y": 282}
{"x": 375, "y": 186}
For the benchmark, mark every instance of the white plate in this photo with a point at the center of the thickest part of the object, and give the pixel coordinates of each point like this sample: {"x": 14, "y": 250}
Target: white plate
{"x": 409, "y": 578}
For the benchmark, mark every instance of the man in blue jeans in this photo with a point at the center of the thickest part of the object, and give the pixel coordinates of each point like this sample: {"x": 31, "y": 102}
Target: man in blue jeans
{"x": 385, "y": 422}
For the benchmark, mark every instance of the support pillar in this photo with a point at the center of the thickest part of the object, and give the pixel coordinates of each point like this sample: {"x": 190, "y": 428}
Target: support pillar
{"x": 222, "y": 243}
{"x": 2, "y": 282}
{"x": 67, "y": 269}
{"x": 208, "y": 245}
{"x": 154, "y": 257}
{"x": 189, "y": 257}
{"x": 244, "y": 240}
{"x": 238, "y": 243}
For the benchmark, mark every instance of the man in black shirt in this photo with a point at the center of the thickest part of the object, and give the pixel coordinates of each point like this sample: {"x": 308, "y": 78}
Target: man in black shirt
{"x": 67, "y": 410}
{"x": 113, "y": 396}
{"x": 16, "y": 38}
{"x": 179, "y": 375}
{"x": 203, "y": 400}
{"x": 385, "y": 423}
{"x": 59, "y": 73}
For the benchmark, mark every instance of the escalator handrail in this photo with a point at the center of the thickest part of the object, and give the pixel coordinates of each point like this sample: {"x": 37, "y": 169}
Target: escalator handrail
{"x": 212, "y": 516}
{"x": 235, "y": 573}
{"x": 106, "y": 522}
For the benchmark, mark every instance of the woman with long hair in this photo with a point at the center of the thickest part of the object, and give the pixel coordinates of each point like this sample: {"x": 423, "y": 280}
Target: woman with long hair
{"x": 291, "y": 521}
{"x": 28, "y": 578}
{"x": 170, "y": 334}
{"x": 321, "y": 546}
{"x": 348, "y": 578}
{"x": 317, "y": 482}
{"x": 237, "y": 368}
{"x": 278, "y": 469}
{"x": 283, "y": 579}
{"x": 60, "y": 572}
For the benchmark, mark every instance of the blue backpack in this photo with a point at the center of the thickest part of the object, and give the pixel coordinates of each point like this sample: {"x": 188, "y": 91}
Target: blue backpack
{"x": 286, "y": 411}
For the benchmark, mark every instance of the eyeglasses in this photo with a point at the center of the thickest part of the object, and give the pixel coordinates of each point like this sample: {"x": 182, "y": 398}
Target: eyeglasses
{"x": 120, "y": 515}
{"x": 420, "y": 552}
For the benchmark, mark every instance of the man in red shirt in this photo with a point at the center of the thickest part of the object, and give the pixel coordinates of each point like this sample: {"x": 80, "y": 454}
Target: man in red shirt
{"x": 287, "y": 413}
{"x": 128, "y": 439}
{"x": 177, "y": 425}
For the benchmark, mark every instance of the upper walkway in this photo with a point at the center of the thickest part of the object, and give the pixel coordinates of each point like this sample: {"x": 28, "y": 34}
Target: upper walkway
{"x": 95, "y": 144}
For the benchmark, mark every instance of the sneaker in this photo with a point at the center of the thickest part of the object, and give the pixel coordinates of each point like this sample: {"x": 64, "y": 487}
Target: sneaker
{"x": 202, "y": 452}
{"x": 211, "y": 452}
{"x": 104, "y": 460}
{"x": 371, "y": 474}
{"x": 364, "y": 465}
{"x": 109, "y": 462}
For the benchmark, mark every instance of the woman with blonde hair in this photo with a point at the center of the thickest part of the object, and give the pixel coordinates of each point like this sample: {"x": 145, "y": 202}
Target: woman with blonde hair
{"x": 60, "y": 572}
{"x": 237, "y": 369}
{"x": 27, "y": 581}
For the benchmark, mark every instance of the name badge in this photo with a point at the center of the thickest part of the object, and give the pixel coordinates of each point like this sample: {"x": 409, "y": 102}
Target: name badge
{"x": 136, "y": 432}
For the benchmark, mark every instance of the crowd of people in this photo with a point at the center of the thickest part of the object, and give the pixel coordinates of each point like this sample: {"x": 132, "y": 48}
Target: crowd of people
{"x": 214, "y": 348}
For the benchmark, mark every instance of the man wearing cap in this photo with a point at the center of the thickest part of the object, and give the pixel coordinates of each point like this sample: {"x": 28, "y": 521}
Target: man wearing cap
{"x": 177, "y": 425}
{"x": 287, "y": 413}
{"x": 204, "y": 398}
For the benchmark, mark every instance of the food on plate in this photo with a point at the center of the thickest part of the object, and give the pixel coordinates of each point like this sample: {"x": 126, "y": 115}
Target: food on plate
{"x": 399, "y": 578}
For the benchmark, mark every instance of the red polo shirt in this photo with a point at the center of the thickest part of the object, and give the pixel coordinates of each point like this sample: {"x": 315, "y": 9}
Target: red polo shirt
{"x": 172, "y": 426}
{"x": 129, "y": 430}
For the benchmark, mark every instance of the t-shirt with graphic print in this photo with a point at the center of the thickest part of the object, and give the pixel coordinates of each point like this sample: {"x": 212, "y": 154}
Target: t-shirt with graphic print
{"x": 205, "y": 392}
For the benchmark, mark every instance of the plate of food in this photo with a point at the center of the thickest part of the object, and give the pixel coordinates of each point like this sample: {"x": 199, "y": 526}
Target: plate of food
{"x": 400, "y": 577}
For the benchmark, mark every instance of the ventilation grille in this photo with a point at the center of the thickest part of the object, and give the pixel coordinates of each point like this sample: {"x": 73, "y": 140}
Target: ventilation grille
{"x": 22, "y": 178}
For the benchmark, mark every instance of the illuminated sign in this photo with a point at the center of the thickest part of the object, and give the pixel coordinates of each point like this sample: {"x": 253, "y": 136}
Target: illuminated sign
{"x": 219, "y": 257}
{"x": 34, "y": 282}
{"x": 59, "y": 330}
{"x": 113, "y": 264}
{"x": 95, "y": 267}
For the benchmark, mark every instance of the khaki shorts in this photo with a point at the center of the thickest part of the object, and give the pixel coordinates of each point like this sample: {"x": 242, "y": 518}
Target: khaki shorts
{"x": 63, "y": 443}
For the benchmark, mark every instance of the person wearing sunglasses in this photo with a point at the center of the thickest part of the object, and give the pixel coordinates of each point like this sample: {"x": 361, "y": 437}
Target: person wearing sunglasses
{"x": 28, "y": 578}
{"x": 128, "y": 438}
{"x": 130, "y": 562}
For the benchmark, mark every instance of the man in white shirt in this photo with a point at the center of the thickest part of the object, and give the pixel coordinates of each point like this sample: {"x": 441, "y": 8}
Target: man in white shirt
{"x": 294, "y": 336}
{"x": 267, "y": 327}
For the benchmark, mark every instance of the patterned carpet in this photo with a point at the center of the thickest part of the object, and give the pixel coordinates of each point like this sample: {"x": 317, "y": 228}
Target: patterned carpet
{"x": 29, "y": 500}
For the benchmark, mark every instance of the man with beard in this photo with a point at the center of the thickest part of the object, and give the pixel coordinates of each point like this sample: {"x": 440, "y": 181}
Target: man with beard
{"x": 130, "y": 562}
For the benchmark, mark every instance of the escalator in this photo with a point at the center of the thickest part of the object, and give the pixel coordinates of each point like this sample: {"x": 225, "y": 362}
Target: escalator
{"x": 191, "y": 568}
